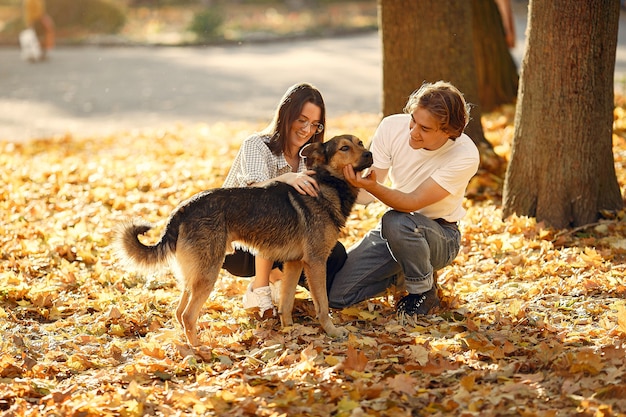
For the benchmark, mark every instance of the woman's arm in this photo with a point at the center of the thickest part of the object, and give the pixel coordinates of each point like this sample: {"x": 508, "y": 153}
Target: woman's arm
{"x": 254, "y": 166}
{"x": 301, "y": 181}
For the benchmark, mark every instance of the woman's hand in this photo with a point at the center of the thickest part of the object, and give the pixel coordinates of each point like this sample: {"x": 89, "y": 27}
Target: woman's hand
{"x": 302, "y": 182}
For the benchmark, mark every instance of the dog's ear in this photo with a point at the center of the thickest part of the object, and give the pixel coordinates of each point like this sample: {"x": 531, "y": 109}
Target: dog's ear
{"x": 314, "y": 154}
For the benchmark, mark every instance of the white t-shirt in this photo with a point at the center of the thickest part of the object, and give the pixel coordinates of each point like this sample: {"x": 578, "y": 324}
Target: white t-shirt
{"x": 451, "y": 166}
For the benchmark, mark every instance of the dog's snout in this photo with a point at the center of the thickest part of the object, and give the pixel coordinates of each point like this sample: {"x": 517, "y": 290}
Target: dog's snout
{"x": 365, "y": 161}
{"x": 367, "y": 155}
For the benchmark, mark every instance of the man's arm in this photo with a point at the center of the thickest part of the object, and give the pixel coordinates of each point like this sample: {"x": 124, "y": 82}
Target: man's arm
{"x": 427, "y": 193}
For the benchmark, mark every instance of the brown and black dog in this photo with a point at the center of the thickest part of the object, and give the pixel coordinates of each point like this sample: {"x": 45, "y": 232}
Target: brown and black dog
{"x": 274, "y": 221}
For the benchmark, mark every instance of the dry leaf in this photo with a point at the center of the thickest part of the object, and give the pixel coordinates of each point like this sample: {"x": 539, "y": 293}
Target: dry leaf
{"x": 355, "y": 360}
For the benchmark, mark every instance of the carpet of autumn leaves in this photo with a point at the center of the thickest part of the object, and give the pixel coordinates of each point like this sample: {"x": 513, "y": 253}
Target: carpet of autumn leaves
{"x": 533, "y": 321}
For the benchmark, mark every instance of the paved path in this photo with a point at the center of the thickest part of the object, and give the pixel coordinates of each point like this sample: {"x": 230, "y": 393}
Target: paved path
{"x": 94, "y": 90}
{"x": 97, "y": 90}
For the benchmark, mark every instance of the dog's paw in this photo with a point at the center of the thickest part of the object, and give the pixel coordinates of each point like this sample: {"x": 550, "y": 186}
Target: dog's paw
{"x": 337, "y": 332}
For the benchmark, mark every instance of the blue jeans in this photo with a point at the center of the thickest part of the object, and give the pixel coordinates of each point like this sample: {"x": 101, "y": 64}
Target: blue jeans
{"x": 402, "y": 243}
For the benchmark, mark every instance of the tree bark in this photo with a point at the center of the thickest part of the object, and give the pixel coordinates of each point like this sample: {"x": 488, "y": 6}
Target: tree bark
{"x": 562, "y": 170}
{"x": 495, "y": 68}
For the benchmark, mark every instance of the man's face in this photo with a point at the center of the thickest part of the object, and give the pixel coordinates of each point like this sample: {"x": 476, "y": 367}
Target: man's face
{"x": 425, "y": 131}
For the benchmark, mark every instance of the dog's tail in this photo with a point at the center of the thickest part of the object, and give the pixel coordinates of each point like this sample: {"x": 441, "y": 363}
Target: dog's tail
{"x": 138, "y": 255}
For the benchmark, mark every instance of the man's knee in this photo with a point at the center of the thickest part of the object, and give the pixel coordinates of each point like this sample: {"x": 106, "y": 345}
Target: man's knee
{"x": 338, "y": 295}
{"x": 393, "y": 226}
{"x": 338, "y": 302}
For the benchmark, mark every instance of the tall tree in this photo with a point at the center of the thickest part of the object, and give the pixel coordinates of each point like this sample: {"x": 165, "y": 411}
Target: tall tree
{"x": 561, "y": 169}
{"x": 427, "y": 40}
{"x": 495, "y": 68}
{"x": 430, "y": 40}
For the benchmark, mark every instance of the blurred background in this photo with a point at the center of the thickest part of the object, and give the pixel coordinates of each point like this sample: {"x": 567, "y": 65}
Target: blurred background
{"x": 182, "y": 22}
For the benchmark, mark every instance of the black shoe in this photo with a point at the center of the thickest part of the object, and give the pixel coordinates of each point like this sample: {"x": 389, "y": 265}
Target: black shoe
{"x": 418, "y": 304}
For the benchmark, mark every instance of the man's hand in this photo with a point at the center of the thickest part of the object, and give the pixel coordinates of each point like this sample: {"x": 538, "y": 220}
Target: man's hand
{"x": 358, "y": 180}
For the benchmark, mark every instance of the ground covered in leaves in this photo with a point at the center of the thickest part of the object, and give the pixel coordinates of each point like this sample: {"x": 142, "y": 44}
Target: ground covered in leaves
{"x": 533, "y": 322}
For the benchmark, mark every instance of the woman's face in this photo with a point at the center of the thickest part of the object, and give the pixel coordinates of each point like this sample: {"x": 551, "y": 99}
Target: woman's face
{"x": 425, "y": 131}
{"x": 305, "y": 126}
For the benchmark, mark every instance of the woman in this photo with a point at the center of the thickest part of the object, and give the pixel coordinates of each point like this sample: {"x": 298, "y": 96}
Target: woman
{"x": 274, "y": 155}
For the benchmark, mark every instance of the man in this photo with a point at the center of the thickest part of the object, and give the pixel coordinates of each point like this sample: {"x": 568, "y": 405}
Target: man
{"x": 429, "y": 162}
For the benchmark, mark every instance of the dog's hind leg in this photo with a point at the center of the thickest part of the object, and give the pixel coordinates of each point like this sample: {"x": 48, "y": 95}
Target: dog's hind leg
{"x": 316, "y": 277}
{"x": 182, "y": 304}
{"x": 199, "y": 276}
{"x": 198, "y": 294}
{"x": 292, "y": 271}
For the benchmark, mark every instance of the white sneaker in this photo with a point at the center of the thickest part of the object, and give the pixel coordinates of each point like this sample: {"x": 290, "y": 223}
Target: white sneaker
{"x": 276, "y": 288}
{"x": 260, "y": 298}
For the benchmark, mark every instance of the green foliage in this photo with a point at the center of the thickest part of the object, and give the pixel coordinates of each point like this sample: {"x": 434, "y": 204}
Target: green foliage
{"x": 101, "y": 16}
{"x": 206, "y": 24}
{"x": 13, "y": 27}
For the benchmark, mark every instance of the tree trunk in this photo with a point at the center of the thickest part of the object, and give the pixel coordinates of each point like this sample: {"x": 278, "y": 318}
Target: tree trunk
{"x": 495, "y": 68}
{"x": 427, "y": 41}
{"x": 562, "y": 169}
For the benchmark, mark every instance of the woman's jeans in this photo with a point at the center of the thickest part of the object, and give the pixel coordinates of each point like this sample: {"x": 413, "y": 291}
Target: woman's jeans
{"x": 403, "y": 243}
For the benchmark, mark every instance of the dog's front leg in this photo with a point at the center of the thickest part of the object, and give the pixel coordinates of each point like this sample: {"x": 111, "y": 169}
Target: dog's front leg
{"x": 292, "y": 271}
{"x": 316, "y": 275}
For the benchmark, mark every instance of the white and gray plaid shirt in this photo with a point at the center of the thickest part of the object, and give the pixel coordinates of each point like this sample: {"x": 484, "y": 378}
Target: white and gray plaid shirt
{"x": 256, "y": 163}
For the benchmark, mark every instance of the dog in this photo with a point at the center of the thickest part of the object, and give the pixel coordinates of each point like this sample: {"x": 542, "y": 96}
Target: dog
{"x": 274, "y": 221}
